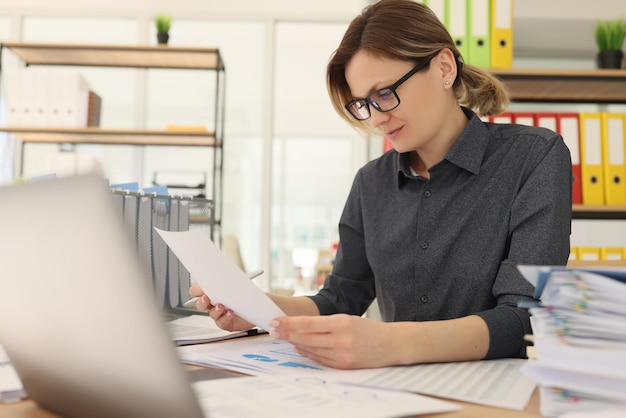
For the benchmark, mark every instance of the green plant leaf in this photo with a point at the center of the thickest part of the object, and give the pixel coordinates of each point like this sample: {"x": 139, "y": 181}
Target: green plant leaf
{"x": 610, "y": 35}
{"x": 163, "y": 23}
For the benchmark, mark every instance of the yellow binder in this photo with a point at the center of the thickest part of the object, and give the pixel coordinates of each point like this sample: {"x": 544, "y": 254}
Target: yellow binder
{"x": 573, "y": 254}
{"x": 479, "y": 33}
{"x": 456, "y": 22}
{"x": 591, "y": 158}
{"x": 501, "y": 33}
{"x": 589, "y": 253}
{"x": 611, "y": 253}
{"x": 613, "y": 155}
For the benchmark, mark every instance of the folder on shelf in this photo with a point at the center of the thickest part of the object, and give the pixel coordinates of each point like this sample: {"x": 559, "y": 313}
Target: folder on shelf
{"x": 546, "y": 120}
{"x": 613, "y": 155}
{"x": 501, "y": 33}
{"x": 573, "y": 254}
{"x": 504, "y": 117}
{"x": 524, "y": 118}
{"x": 589, "y": 253}
{"x": 438, "y": 7}
{"x": 456, "y": 22}
{"x": 12, "y": 84}
{"x": 173, "y": 287}
{"x": 567, "y": 124}
{"x": 387, "y": 145}
{"x": 36, "y": 90}
{"x": 479, "y": 33}
{"x": 591, "y": 158}
{"x": 611, "y": 253}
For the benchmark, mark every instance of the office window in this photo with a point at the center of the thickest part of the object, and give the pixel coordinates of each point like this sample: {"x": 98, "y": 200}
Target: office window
{"x": 186, "y": 98}
{"x": 316, "y": 155}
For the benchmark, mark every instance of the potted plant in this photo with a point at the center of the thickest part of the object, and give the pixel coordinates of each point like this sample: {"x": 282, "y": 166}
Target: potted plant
{"x": 163, "y": 22}
{"x": 610, "y": 36}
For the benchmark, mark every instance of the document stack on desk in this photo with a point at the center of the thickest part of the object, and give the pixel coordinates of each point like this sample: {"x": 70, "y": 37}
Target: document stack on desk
{"x": 11, "y": 389}
{"x": 579, "y": 359}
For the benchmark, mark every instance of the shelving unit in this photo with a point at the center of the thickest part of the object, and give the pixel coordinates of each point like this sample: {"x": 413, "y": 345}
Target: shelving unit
{"x": 570, "y": 86}
{"x": 129, "y": 56}
{"x": 565, "y": 86}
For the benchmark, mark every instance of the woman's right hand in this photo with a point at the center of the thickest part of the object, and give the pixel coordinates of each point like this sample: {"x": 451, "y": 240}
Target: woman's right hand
{"x": 223, "y": 317}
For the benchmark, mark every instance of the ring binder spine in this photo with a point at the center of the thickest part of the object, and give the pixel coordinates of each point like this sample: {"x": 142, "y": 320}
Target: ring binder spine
{"x": 141, "y": 212}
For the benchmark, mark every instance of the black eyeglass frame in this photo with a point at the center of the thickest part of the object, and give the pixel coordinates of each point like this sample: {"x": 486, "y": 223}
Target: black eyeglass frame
{"x": 366, "y": 102}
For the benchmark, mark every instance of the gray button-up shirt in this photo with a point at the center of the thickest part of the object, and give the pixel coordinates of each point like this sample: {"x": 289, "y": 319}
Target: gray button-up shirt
{"x": 448, "y": 246}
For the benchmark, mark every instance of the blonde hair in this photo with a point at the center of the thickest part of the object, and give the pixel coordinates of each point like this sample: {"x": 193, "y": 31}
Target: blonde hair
{"x": 410, "y": 31}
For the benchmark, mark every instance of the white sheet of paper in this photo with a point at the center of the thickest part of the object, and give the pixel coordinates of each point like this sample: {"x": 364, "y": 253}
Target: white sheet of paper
{"x": 273, "y": 397}
{"x": 220, "y": 278}
{"x": 497, "y": 383}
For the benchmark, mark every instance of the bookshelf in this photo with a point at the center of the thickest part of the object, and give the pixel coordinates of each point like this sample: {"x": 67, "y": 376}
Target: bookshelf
{"x": 564, "y": 86}
{"x": 131, "y": 56}
{"x": 602, "y": 86}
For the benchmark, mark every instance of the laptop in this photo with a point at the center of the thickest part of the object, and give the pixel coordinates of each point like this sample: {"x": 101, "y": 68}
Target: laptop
{"x": 78, "y": 314}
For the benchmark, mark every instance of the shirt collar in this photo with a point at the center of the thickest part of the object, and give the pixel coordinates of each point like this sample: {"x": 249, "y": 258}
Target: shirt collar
{"x": 467, "y": 151}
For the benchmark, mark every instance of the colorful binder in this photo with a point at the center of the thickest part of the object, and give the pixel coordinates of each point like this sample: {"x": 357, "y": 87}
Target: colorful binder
{"x": 589, "y": 253}
{"x": 546, "y": 120}
{"x": 387, "y": 145}
{"x": 501, "y": 33}
{"x": 611, "y": 253}
{"x": 438, "y": 7}
{"x": 479, "y": 33}
{"x": 456, "y": 22}
{"x": 504, "y": 117}
{"x": 567, "y": 124}
{"x": 524, "y": 118}
{"x": 591, "y": 158}
{"x": 613, "y": 155}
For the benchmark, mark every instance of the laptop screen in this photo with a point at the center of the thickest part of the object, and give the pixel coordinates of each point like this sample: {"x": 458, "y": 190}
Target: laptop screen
{"x": 78, "y": 316}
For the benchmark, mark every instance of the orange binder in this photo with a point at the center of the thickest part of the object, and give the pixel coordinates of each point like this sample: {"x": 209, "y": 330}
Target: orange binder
{"x": 546, "y": 120}
{"x": 613, "y": 155}
{"x": 524, "y": 118}
{"x": 591, "y": 168}
{"x": 501, "y": 33}
{"x": 387, "y": 145}
{"x": 567, "y": 124}
{"x": 504, "y": 117}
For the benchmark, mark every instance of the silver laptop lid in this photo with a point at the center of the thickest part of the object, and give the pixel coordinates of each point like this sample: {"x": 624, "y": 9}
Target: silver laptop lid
{"x": 78, "y": 316}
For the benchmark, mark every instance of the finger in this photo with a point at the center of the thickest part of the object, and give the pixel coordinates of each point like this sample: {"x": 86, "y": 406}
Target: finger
{"x": 195, "y": 290}
{"x": 226, "y": 318}
{"x": 322, "y": 356}
{"x": 204, "y": 303}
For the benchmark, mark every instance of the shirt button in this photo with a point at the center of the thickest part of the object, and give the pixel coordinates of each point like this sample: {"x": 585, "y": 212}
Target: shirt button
{"x": 424, "y": 245}
{"x": 427, "y": 193}
{"x": 424, "y": 299}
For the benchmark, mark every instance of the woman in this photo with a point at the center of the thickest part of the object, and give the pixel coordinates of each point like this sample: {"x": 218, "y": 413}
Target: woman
{"x": 435, "y": 228}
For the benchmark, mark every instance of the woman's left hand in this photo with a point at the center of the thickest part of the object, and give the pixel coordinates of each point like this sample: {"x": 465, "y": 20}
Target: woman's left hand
{"x": 340, "y": 341}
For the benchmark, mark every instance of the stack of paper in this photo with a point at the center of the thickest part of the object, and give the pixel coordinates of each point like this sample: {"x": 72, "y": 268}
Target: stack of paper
{"x": 11, "y": 389}
{"x": 579, "y": 339}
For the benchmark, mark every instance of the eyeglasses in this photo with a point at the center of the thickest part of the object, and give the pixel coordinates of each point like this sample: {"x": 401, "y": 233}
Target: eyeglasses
{"x": 383, "y": 100}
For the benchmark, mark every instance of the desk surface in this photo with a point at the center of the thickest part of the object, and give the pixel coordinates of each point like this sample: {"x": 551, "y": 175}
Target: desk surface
{"x": 28, "y": 409}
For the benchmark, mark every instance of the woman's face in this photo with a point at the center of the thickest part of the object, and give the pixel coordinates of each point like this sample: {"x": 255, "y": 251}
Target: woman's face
{"x": 416, "y": 120}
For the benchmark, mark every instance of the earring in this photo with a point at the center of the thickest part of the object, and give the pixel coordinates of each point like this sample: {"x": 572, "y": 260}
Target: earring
{"x": 446, "y": 84}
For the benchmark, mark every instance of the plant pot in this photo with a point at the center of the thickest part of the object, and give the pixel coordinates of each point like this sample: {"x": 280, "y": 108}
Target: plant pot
{"x": 163, "y": 37}
{"x": 610, "y": 59}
